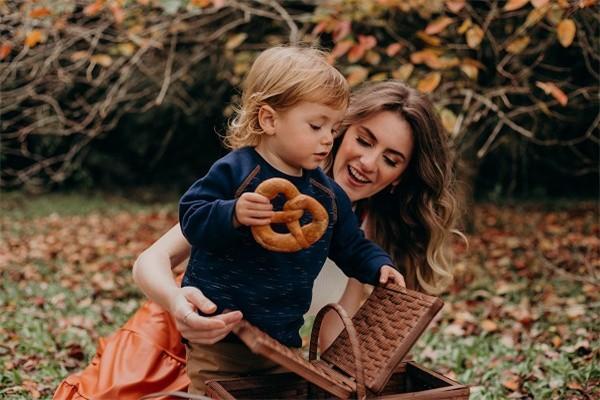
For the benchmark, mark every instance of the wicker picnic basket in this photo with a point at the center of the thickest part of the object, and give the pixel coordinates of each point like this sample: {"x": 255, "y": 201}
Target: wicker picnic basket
{"x": 364, "y": 361}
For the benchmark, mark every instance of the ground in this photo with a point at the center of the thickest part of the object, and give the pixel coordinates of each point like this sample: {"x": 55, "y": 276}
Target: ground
{"x": 518, "y": 321}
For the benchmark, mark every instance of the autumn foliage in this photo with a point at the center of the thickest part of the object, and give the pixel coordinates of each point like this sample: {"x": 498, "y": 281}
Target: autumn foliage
{"x": 513, "y": 80}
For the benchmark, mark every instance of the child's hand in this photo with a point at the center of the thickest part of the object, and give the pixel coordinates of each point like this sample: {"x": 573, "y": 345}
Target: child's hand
{"x": 387, "y": 273}
{"x": 252, "y": 209}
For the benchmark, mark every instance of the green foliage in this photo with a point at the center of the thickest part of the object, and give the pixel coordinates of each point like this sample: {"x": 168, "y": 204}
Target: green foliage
{"x": 515, "y": 82}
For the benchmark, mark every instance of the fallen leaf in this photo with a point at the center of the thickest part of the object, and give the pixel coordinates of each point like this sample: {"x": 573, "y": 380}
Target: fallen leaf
{"x": 469, "y": 70}
{"x": 118, "y": 13}
{"x": 455, "y": 5}
{"x": 566, "y": 30}
{"x": 373, "y": 57}
{"x": 78, "y": 55}
{"x": 356, "y": 53}
{"x": 357, "y": 75}
{"x": 448, "y": 119}
{"x": 438, "y": 25}
{"x": 518, "y": 45}
{"x": 512, "y": 383}
{"x": 430, "y": 40}
{"x": 5, "y": 50}
{"x": 551, "y": 89}
{"x": 587, "y": 3}
{"x": 512, "y": 5}
{"x": 342, "y": 48}
{"x": 474, "y": 36}
{"x": 535, "y": 16}
{"x": 94, "y": 8}
{"x": 430, "y": 82}
{"x": 381, "y": 76}
{"x": 489, "y": 325}
{"x": 404, "y": 72}
{"x": 33, "y": 38}
{"x": 467, "y": 23}
{"x": 393, "y": 49}
{"x": 235, "y": 40}
{"x": 556, "y": 341}
{"x": 539, "y": 3}
{"x": 103, "y": 59}
{"x": 39, "y": 12}
{"x": 574, "y": 385}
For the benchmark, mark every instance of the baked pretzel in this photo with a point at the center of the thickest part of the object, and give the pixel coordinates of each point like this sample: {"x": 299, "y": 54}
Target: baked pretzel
{"x": 300, "y": 237}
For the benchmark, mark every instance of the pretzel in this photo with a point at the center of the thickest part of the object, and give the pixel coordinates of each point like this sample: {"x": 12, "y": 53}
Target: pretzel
{"x": 300, "y": 237}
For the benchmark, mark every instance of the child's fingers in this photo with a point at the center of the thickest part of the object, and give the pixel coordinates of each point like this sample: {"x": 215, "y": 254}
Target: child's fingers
{"x": 256, "y": 199}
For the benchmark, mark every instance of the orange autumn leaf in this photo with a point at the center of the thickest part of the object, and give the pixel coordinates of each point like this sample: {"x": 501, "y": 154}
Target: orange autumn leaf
{"x": 404, "y": 72}
{"x": 33, "y": 38}
{"x": 118, "y": 13}
{"x": 488, "y": 325}
{"x": 512, "y": 383}
{"x": 356, "y": 53}
{"x": 92, "y": 9}
{"x": 553, "y": 90}
{"x": 341, "y": 48}
{"x": 357, "y": 75}
{"x": 5, "y": 50}
{"x": 425, "y": 56}
{"x": 430, "y": 82}
{"x": 455, "y": 5}
{"x": 438, "y": 25}
{"x": 474, "y": 36}
{"x": 368, "y": 42}
{"x": 393, "y": 49}
{"x": 539, "y": 3}
{"x": 429, "y": 39}
{"x": 512, "y": 5}
{"x": 587, "y": 3}
{"x": 103, "y": 59}
{"x": 518, "y": 45}
{"x": 566, "y": 32}
{"x": 39, "y": 12}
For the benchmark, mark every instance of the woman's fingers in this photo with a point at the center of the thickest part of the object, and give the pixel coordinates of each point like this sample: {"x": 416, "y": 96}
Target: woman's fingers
{"x": 198, "y": 300}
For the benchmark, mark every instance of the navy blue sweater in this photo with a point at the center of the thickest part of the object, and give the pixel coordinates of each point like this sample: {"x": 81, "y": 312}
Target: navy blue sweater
{"x": 273, "y": 290}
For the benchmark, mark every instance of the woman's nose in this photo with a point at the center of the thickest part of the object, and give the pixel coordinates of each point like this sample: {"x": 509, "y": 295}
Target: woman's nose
{"x": 368, "y": 161}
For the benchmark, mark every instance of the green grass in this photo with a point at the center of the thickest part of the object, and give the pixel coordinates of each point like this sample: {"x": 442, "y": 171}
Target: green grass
{"x": 520, "y": 320}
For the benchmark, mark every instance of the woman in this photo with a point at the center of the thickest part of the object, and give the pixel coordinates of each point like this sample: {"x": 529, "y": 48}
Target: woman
{"x": 392, "y": 159}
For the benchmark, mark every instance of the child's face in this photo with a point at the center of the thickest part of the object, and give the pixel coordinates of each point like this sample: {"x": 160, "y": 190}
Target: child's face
{"x": 303, "y": 136}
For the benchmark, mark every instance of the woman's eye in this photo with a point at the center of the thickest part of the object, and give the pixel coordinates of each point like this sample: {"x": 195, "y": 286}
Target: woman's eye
{"x": 315, "y": 127}
{"x": 390, "y": 162}
{"x": 362, "y": 141}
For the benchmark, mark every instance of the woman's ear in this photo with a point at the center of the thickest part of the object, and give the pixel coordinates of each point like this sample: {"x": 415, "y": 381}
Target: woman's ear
{"x": 266, "y": 119}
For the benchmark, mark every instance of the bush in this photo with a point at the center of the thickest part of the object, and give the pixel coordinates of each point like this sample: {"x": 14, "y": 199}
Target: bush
{"x": 133, "y": 91}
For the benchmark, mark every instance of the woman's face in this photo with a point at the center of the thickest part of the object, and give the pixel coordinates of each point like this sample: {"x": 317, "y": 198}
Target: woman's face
{"x": 373, "y": 155}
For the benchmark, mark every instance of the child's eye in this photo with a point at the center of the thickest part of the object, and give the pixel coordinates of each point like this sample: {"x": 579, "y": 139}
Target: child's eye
{"x": 362, "y": 142}
{"x": 315, "y": 127}
{"x": 390, "y": 162}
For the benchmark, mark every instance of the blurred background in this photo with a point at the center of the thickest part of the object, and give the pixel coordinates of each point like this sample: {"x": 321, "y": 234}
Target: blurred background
{"x": 109, "y": 109}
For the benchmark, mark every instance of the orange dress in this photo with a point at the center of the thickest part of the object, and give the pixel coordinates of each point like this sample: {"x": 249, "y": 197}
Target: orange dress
{"x": 144, "y": 356}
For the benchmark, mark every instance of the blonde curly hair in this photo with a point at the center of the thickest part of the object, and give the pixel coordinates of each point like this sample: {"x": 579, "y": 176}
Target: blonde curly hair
{"x": 282, "y": 77}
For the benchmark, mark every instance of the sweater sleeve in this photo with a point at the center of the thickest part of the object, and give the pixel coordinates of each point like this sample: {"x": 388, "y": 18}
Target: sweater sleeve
{"x": 206, "y": 210}
{"x": 354, "y": 254}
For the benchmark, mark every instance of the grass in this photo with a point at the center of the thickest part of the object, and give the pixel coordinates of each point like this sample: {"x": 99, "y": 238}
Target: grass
{"x": 520, "y": 321}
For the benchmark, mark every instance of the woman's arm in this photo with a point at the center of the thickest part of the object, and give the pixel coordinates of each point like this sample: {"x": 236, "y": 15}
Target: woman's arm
{"x": 152, "y": 272}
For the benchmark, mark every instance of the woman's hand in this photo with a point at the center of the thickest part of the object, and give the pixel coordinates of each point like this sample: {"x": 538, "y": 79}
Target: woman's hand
{"x": 388, "y": 273}
{"x": 253, "y": 209}
{"x": 196, "y": 328}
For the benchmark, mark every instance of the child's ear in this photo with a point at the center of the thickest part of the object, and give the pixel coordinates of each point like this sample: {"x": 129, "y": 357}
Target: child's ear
{"x": 266, "y": 119}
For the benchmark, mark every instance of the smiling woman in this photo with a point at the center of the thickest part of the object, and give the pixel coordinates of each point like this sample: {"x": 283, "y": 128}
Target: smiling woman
{"x": 392, "y": 159}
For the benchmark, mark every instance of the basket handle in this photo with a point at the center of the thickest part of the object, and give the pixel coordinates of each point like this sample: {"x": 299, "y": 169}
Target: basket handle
{"x": 361, "y": 392}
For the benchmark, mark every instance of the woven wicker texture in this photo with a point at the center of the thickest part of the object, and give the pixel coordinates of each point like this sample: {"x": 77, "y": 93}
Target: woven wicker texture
{"x": 388, "y": 325}
{"x": 318, "y": 373}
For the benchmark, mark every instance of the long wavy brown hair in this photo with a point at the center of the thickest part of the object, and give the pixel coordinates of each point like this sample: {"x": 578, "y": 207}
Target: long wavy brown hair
{"x": 414, "y": 221}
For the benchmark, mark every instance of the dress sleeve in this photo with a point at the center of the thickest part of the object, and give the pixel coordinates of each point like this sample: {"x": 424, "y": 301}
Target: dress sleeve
{"x": 355, "y": 255}
{"x": 206, "y": 210}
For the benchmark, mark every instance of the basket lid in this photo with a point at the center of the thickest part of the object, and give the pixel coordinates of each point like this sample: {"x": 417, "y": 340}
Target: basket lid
{"x": 388, "y": 324}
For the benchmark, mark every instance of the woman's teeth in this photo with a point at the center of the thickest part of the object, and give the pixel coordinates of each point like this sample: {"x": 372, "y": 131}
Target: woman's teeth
{"x": 357, "y": 175}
